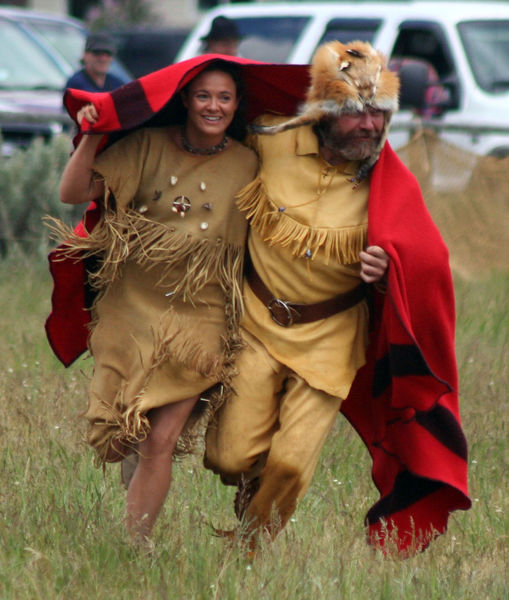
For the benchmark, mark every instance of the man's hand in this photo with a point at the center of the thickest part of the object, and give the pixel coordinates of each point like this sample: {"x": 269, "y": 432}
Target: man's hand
{"x": 374, "y": 264}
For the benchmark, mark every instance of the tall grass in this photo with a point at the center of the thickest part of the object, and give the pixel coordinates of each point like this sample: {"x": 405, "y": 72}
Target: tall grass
{"x": 61, "y": 519}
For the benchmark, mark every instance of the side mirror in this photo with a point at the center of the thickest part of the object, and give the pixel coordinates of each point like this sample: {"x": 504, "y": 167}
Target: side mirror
{"x": 452, "y": 86}
{"x": 414, "y": 84}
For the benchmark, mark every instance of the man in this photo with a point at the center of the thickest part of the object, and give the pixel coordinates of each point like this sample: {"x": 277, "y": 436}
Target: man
{"x": 223, "y": 37}
{"x": 96, "y": 61}
{"x": 331, "y": 204}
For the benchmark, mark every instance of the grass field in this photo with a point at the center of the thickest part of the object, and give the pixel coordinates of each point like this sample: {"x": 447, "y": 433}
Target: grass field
{"x": 61, "y": 519}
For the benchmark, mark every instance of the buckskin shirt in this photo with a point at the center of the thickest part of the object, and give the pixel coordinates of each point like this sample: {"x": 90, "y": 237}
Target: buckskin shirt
{"x": 306, "y": 234}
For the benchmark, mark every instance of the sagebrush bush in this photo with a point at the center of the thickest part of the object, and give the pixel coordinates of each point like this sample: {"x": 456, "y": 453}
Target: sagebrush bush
{"x": 29, "y": 184}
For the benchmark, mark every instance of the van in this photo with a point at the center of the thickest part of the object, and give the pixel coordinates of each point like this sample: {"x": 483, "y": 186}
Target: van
{"x": 462, "y": 49}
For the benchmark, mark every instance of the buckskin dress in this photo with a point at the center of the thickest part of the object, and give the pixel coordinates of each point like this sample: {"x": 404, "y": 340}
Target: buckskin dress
{"x": 171, "y": 244}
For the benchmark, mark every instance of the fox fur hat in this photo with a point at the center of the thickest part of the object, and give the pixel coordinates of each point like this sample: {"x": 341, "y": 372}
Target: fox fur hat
{"x": 345, "y": 78}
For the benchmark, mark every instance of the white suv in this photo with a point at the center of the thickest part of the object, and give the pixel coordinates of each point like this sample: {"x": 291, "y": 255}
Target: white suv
{"x": 466, "y": 44}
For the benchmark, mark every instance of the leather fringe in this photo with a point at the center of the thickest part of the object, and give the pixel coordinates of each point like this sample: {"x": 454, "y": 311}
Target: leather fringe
{"x": 127, "y": 425}
{"x": 192, "y": 438}
{"x": 116, "y": 436}
{"x": 129, "y": 235}
{"x": 277, "y": 228}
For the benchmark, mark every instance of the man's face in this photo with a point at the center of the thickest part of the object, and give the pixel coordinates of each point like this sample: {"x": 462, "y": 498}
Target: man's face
{"x": 229, "y": 47}
{"x": 354, "y": 136}
{"x": 97, "y": 62}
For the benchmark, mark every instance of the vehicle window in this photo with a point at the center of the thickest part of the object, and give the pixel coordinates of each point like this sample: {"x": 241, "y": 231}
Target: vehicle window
{"x": 424, "y": 43}
{"x": 269, "y": 39}
{"x": 23, "y": 65}
{"x": 145, "y": 50}
{"x": 348, "y": 30}
{"x": 66, "y": 39}
{"x": 487, "y": 48}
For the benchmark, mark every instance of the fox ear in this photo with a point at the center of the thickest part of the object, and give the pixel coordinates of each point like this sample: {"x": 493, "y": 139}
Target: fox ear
{"x": 273, "y": 129}
{"x": 335, "y": 55}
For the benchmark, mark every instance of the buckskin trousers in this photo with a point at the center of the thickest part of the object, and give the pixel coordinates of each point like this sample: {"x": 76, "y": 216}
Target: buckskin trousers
{"x": 272, "y": 429}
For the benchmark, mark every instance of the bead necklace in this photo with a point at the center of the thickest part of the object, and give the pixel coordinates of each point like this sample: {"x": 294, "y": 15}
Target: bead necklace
{"x": 203, "y": 151}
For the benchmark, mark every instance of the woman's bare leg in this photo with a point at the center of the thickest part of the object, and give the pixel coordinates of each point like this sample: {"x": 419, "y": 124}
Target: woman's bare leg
{"x": 152, "y": 478}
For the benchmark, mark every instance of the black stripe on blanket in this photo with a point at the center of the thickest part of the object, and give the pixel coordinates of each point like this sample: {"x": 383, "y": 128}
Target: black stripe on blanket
{"x": 401, "y": 360}
{"x": 131, "y": 105}
{"x": 408, "y": 489}
{"x": 442, "y": 425}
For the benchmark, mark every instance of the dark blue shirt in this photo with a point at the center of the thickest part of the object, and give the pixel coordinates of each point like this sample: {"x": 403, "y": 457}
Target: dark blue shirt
{"x": 81, "y": 80}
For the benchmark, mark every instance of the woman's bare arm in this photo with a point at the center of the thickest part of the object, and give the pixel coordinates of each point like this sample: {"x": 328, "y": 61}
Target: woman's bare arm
{"x": 77, "y": 184}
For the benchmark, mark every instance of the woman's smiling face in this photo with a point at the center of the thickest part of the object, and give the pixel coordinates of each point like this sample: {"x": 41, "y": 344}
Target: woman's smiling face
{"x": 211, "y": 101}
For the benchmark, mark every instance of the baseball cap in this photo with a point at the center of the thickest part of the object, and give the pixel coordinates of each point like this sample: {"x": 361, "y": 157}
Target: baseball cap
{"x": 100, "y": 41}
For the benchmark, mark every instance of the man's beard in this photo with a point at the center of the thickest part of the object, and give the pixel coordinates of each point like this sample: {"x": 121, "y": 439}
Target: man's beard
{"x": 349, "y": 147}
{"x": 352, "y": 149}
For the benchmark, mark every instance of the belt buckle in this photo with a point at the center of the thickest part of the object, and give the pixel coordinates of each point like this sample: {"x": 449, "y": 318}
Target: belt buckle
{"x": 276, "y": 303}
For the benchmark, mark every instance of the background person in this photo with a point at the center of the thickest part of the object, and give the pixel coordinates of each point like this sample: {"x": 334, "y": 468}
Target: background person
{"x": 97, "y": 56}
{"x": 223, "y": 37}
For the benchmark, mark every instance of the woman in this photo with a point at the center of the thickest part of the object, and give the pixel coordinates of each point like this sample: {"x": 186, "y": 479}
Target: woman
{"x": 171, "y": 243}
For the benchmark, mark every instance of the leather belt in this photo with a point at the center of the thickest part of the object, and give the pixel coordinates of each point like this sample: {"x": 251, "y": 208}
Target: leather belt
{"x": 286, "y": 313}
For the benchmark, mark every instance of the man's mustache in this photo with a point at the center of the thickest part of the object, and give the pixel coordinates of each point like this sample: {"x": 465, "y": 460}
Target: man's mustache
{"x": 362, "y": 136}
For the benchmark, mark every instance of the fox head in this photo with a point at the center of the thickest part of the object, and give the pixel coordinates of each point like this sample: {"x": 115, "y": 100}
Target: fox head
{"x": 345, "y": 78}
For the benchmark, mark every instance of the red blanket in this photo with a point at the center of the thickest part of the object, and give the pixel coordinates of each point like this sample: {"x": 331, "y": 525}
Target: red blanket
{"x": 404, "y": 402}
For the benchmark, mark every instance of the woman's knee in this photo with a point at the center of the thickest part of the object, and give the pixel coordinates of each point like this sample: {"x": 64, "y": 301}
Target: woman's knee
{"x": 166, "y": 425}
{"x": 158, "y": 441}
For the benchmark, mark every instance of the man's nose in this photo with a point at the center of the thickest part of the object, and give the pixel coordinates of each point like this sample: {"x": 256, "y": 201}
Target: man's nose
{"x": 367, "y": 121}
